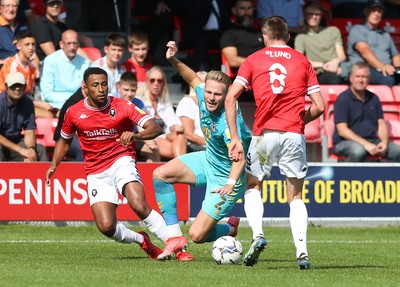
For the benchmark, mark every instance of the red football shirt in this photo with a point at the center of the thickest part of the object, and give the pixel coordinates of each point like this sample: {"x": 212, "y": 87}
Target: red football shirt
{"x": 98, "y": 130}
{"x": 139, "y": 71}
{"x": 281, "y": 77}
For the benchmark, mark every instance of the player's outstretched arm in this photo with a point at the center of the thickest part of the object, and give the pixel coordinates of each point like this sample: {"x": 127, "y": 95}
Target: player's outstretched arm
{"x": 187, "y": 73}
{"x": 61, "y": 149}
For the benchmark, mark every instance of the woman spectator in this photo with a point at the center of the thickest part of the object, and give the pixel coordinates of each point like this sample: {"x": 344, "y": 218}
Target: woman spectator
{"x": 323, "y": 46}
{"x": 155, "y": 97}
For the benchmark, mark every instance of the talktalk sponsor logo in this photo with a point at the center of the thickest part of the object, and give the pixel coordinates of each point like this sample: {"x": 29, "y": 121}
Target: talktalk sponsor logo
{"x": 101, "y": 132}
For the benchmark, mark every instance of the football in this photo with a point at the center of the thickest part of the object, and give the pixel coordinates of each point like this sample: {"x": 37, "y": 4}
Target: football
{"x": 227, "y": 250}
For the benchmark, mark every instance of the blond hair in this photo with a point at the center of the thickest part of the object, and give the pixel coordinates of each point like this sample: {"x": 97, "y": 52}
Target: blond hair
{"x": 219, "y": 77}
{"x": 164, "y": 95}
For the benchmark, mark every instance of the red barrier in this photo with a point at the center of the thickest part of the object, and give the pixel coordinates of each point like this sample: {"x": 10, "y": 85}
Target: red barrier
{"x": 25, "y": 196}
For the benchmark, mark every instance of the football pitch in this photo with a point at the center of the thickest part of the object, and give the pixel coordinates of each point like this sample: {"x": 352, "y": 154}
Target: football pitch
{"x": 42, "y": 255}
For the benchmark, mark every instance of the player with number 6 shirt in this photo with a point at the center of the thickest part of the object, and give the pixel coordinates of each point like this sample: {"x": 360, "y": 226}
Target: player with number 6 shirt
{"x": 281, "y": 78}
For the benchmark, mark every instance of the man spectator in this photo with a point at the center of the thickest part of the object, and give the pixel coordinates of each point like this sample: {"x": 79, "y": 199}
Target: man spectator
{"x": 360, "y": 127}
{"x": 114, "y": 47}
{"x": 38, "y": 9}
{"x": 17, "y": 114}
{"x": 62, "y": 72}
{"x": 48, "y": 29}
{"x": 8, "y": 28}
{"x": 368, "y": 42}
{"x": 21, "y": 62}
{"x": 244, "y": 37}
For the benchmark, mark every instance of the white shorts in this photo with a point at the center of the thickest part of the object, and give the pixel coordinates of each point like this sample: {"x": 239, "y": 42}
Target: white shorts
{"x": 286, "y": 149}
{"x": 106, "y": 185}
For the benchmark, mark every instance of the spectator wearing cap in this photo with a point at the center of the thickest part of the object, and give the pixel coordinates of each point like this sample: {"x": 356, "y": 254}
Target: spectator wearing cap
{"x": 8, "y": 28}
{"x": 48, "y": 29}
{"x": 17, "y": 123}
{"x": 62, "y": 72}
{"x": 369, "y": 43}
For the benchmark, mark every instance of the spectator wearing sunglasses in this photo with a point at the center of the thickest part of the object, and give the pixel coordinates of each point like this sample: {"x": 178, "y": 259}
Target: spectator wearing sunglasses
{"x": 155, "y": 97}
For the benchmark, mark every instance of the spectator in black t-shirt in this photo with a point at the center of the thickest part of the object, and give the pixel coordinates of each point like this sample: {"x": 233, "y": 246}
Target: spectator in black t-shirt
{"x": 48, "y": 30}
{"x": 244, "y": 37}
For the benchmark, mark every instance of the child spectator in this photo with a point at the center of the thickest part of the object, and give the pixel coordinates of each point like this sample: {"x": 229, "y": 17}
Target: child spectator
{"x": 127, "y": 86}
{"x": 138, "y": 47}
{"x": 21, "y": 62}
{"x": 114, "y": 46}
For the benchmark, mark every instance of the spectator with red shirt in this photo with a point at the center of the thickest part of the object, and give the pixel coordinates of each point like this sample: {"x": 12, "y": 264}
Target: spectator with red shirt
{"x": 104, "y": 126}
{"x": 281, "y": 78}
{"x": 137, "y": 64}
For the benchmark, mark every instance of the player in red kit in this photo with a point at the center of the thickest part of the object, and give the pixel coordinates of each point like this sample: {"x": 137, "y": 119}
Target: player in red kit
{"x": 104, "y": 127}
{"x": 281, "y": 78}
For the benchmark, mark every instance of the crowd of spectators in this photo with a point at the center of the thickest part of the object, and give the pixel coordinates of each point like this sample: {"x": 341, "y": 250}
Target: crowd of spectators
{"x": 37, "y": 43}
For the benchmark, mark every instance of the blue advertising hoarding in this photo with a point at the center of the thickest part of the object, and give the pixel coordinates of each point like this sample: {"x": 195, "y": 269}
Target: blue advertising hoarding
{"x": 334, "y": 190}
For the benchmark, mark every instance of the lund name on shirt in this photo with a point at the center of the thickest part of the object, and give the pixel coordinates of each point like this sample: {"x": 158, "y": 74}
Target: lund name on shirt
{"x": 278, "y": 54}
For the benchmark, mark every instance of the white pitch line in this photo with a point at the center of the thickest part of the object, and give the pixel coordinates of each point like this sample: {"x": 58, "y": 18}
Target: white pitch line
{"x": 247, "y": 241}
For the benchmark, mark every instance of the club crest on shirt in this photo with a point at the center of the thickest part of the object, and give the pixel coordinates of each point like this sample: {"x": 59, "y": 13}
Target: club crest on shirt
{"x": 213, "y": 127}
{"x": 112, "y": 112}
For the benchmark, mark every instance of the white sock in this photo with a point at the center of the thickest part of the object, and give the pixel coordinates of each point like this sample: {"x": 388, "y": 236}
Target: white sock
{"x": 254, "y": 209}
{"x": 125, "y": 235}
{"x": 174, "y": 230}
{"x": 299, "y": 223}
{"x": 156, "y": 224}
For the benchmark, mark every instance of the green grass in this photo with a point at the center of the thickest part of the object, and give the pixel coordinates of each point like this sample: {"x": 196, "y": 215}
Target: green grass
{"x": 80, "y": 256}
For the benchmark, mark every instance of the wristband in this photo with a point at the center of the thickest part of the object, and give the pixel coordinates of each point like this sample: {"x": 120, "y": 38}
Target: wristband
{"x": 231, "y": 181}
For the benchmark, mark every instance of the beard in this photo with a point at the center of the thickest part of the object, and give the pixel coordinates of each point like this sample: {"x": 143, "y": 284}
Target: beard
{"x": 245, "y": 21}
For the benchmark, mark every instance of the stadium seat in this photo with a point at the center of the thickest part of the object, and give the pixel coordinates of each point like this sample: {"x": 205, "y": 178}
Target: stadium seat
{"x": 391, "y": 107}
{"x": 330, "y": 94}
{"x": 45, "y": 131}
{"x": 392, "y": 26}
{"x": 327, "y": 152}
{"x": 93, "y": 53}
{"x": 313, "y": 133}
{"x": 394, "y": 130}
{"x": 344, "y": 25}
{"x": 396, "y": 93}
